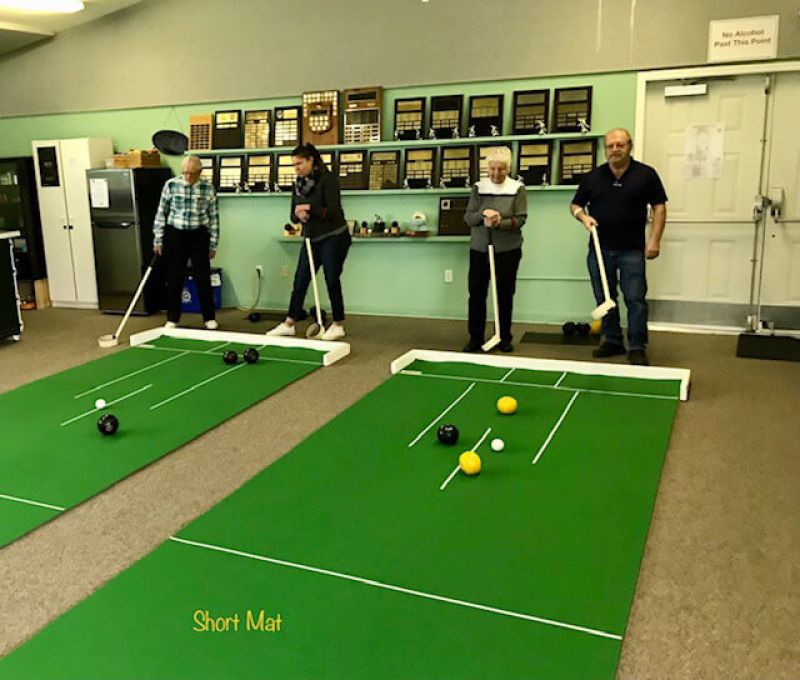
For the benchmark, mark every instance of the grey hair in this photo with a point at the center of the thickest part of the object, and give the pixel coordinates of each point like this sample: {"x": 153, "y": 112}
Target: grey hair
{"x": 192, "y": 161}
{"x": 499, "y": 154}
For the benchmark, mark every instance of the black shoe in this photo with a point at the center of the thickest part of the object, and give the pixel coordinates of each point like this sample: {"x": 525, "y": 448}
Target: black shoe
{"x": 505, "y": 347}
{"x": 638, "y": 357}
{"x": 608, "y": 349}
{"x": 472, "y": 346}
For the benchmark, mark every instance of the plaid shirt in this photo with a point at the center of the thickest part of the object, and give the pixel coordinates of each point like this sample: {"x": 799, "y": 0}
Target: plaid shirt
{"x": 186, "y": 207}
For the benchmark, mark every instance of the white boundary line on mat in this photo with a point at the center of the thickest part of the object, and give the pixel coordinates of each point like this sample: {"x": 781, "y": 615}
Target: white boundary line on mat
{"x": 555, "y": 429}
{"x": 441, "y": 415}
{"x": 467, "y": 378}
{"x": 208, "y": 351}
{"x": 510, "y": 371}
{"x": 481, "y": 440}
{"x": 205, "y": 352}
{"x": 107, "y": 406}
{"x": 399, "y": 589}
{"x": 194, "y": 387}
{"x": 449, "y": 477}
{"x": 681, "y": 375}
{"x": 332, "y": 351}
{"x": 28, "y": 501}
{"x": 130, "y": 375}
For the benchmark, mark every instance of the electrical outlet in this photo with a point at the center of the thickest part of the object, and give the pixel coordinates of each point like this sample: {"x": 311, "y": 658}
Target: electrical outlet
{"x": 259, "y": 270}
{"x": 448, "y": 276}
{"x": 284, "y": 271}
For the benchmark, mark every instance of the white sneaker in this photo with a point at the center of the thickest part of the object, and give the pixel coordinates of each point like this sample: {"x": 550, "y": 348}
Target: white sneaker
{"x": 282, "y": 328}
{"x": 335, "y": 332}
{"x": 211, "y": 325}
{"x": 170, "y": 324}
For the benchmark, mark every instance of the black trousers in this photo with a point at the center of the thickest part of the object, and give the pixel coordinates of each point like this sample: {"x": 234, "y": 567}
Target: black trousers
{"x": 180, "y": 246}
{"x": 506, "y": 266}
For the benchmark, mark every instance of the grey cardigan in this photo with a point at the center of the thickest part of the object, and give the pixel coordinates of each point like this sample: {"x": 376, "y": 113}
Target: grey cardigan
{"x": 510, "y": 200}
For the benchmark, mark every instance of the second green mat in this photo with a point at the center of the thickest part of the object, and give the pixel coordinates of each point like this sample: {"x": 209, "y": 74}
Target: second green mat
{"x": 168, "y": 389}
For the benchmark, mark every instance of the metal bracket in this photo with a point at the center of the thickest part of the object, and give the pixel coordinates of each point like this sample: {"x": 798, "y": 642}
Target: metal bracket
{"x": 760, "y": 205}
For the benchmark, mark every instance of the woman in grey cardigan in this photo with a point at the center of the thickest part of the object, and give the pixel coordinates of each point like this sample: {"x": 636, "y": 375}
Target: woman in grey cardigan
{"x": 497, "y": 208}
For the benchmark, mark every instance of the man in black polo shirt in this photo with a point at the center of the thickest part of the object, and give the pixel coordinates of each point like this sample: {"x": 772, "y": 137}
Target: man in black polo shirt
{"x": 613, "y": 198}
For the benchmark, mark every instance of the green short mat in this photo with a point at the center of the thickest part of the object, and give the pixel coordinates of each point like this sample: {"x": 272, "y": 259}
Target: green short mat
{"x": 165, "y": 391}
{"x": 361, "y": 555}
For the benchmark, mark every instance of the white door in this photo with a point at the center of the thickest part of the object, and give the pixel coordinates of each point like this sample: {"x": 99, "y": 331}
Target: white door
{"x": 55, "y": 232}
{"x": 76, "y": 159}
{"x": 780, "y": 279}
{"x": 704, "y": 275}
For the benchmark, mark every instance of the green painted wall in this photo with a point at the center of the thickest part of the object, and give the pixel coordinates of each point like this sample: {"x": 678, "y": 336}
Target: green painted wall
{"x": 397, "y": 278}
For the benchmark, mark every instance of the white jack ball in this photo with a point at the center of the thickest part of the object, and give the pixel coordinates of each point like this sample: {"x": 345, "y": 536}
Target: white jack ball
{"x": 100, "y": 403}
{"x": 498, "y": 445}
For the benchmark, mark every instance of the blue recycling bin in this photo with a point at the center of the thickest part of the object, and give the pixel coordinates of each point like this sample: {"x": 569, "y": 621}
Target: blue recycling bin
{"x": 190, "y": 302}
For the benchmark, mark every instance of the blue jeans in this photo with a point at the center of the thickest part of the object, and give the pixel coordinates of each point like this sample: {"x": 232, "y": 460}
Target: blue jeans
{"x": 330, "y": 254}
{"x": 626, "y": 269}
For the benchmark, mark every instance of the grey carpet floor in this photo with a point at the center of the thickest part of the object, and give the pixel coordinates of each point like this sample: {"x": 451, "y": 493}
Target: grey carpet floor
{"x": 718, "y": 596}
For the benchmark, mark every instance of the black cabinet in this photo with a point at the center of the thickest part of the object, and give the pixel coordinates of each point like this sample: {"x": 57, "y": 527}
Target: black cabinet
{"x": 19, "y": 211}
{"x": 10, "y": 320}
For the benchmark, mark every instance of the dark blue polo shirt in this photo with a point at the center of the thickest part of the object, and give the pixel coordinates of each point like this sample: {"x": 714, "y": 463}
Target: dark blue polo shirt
{"x": 620, "y": 205}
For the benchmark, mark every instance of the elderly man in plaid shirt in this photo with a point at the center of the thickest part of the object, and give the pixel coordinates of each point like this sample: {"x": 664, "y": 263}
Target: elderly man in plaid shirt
{"x": 187, "y": 226}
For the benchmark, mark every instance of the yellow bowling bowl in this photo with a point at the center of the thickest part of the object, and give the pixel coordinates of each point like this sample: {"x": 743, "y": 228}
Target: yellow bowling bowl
{"x": 470, "y": 463}
{"x": 507, "y": 405}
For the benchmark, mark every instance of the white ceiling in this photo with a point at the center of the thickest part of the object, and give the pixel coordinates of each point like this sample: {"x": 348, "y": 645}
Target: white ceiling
{"x": 19, "y": 29}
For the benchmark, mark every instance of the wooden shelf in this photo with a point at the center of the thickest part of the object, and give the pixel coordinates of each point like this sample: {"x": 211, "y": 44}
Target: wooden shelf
{"x": 389, "y": 192}
{"x": 400, "y": 144}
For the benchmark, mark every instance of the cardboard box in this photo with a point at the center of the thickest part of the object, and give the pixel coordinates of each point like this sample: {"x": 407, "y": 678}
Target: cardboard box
{"x": 41, "y": 293}
{"x": 144, "y": 159}
{"x": 138, "y": 158}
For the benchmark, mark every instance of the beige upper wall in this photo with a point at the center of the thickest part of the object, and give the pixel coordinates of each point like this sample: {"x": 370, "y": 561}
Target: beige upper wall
{"x": 186, "y": 51}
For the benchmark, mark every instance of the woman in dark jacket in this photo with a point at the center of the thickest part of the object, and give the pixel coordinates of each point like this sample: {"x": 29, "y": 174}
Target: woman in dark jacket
{"x": 317, "y": 205}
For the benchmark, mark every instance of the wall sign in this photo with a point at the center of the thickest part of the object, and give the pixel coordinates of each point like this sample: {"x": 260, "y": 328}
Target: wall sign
{"x": 743, "y": 39}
